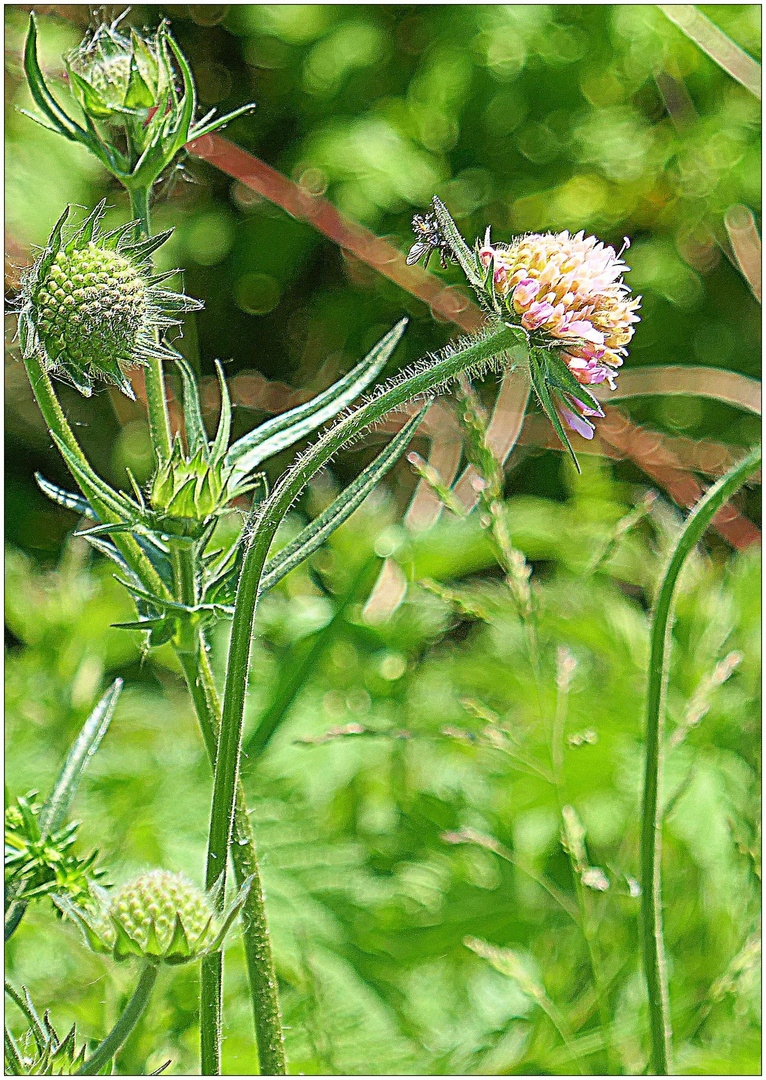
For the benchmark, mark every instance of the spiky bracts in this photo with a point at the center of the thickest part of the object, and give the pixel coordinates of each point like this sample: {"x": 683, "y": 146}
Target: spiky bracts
{"x": 91, "y": 306}
{"x": 160, "y": 916}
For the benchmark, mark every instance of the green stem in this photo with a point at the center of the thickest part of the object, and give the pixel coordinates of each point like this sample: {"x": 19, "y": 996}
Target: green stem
{"x": 124, "y": 1025}
{"x": 655, "y": 969}
{"x": 270, "y": 516}
{"x": 156, "y": 398}
{"x": 255, "y": 932}
{"x": 53, "y": 414}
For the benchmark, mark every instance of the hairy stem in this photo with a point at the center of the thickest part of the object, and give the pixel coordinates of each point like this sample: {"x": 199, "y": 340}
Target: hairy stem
{"x": 255, "y": 933}
{"x": 273, "y": 511}
{"x": 119, "y": 1033}
{"x": 655, "y": 969}
{"x": 156, "y": 399}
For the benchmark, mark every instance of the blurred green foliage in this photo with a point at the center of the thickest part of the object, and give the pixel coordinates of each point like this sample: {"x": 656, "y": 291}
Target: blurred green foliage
{"x": 524, "y": 117}
{"x": 369, "y": 902}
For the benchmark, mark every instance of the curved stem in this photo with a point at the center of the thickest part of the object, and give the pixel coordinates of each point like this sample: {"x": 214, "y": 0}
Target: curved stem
{"x": 655, "y": 969}
{"x": 130, "y": 1017}
{"x": 156, "y": 398}
{"x": 226, "y": 782}
{"x": 270, "y": 515}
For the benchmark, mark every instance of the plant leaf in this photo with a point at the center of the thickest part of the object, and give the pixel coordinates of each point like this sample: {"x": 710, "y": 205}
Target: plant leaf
{"x": 223, "y": 433}
{"x": 546, "y": 403}
{"x": 285, "y": 430}
{"x": 463, "y": 253}
{"x": 42, "y": 95}
{"x": 315, "y": 533}
{"x": 67, "y": 499}
{"x": 196, "y": 436}
{"x": 84, "y": 747}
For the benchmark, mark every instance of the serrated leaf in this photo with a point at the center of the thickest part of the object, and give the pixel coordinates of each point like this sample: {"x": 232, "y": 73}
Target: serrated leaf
{"x": 467, "y": 258}
{"x": 196, "y": 435}
{"x": 283, "y": 431}
{"x": 315, "y": 533}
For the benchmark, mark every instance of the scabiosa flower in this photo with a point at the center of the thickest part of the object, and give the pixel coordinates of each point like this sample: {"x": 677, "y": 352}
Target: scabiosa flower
{"x": 159, "y": 916}
{"x": 91, "y": 306}
{"x": 567, "y": 292}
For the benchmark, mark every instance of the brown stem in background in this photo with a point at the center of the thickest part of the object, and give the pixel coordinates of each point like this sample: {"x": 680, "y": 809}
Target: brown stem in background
{"x": 616, "y": 430}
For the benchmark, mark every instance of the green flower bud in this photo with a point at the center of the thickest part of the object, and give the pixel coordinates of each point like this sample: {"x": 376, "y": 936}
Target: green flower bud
{"x": 159, "y": 916}
{"x": 91, "y": 307}
{"x": 113, "y": 74}
{"x": 187, "y": 491}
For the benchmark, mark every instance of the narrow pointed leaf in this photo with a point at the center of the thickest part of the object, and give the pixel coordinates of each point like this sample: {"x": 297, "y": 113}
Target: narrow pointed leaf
{"x": 180, "y": 134}
{"x": 138, "y": 94}
{"x": 315, "y": 533}
{"x": 40, "y": 92}
{"x": 546, "y": 402}
{"x": 283, "y": 431}
{"x": 147, "y": 247}
{"x": 141, "y": 624}
{"x": 89, "y": 98}
{"x": 223, "y": 433}
{"x": 53, "y": 246}
{"x": 66, "y": 499}
{"x": 179, "y": 949}
{"x": 207, "y": 126}
{"x": 114, "y": 501}
{"x": 84, "y": 747}
{"x": 196, "y": 435}
{"x": 24, "y": 1002}
{"x": 13, "y": 1056}
{"x": 463, "y": 253}
{"x": 124, "y": 945}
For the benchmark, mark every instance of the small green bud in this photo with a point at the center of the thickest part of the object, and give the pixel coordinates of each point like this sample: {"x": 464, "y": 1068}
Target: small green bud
{"x": 112, "y": 74}
{"x": 187, "y": 491}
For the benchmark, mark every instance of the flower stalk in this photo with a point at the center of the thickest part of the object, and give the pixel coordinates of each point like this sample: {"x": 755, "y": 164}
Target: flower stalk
{"x": 655, "y": 963}
{"x": 124, "y": 1026}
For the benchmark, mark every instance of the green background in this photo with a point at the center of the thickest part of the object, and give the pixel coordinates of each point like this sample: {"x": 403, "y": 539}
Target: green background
{"x": 527, "y": 118}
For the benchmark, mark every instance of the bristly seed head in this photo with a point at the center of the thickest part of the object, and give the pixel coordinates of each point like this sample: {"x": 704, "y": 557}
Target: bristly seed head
{"x": 91, "y": 307}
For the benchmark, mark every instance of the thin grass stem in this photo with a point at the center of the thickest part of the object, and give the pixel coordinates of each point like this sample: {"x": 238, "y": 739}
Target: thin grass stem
{"x": 655, "y": 966}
